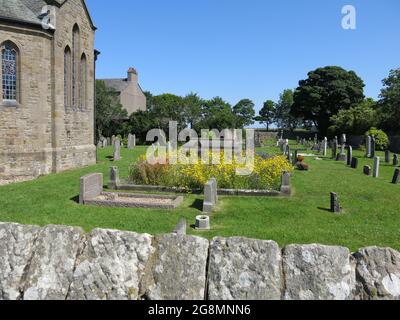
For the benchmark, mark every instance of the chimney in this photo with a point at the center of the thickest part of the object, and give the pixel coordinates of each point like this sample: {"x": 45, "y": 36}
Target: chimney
{"x": 132, "y": 75}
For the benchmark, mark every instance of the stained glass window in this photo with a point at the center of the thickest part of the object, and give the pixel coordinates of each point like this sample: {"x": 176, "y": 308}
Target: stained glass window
{"x": 9, "y": 72}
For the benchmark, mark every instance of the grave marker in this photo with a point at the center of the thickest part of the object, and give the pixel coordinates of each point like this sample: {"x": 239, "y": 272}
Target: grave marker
{"x": 377, "y": 162}
{"x": 114, "y": 178}
{"x": 117, "y": 150}
{"x": 387, "y": 156}
{"x": 91, "y": 186}
{"x": 285, "y": 183}
{"x": 367, "y": 170}
{"x": 349, "y": 155}
{"x": 368, "y": 147}
{"x": 354, "y": 163}
{"x": 395, "y": 160}
{"x": 396, "y": 176}
{"x": 335, "y": 205}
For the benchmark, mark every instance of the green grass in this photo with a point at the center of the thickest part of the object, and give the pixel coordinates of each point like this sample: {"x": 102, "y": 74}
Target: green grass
{"x": 371, "y": 206}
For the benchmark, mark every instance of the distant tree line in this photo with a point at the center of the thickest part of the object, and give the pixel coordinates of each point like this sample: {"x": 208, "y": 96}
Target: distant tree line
{"x": 331, "y": 99}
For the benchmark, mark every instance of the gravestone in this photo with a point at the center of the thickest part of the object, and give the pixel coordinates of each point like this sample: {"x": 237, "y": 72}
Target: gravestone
{"x": 368, "y": 145}
{"x": 387, "y": 156}
{"x": 285, "y": 183}
{"x": 296, "y": 154}
{"x": 377, "y": 162}
{"x": 335, "y": 205}
{"x": 316, "y": 139}
{"x": 113, "y": 138}
{"x": 396, "y": 176}
{"x": 180, "y": 228}
{"x": 289, "y": 154}
{"x": 105, "y": 144}
{"x": 354, "y": 163}
{"x": 373, "y": 147}
{"x": 342, "y": 155}
{"x": 349, "y": 155}
{"x": 114, "y": 178}
{"x": 210, "y": 197}
{"x": 325, "y": 147}
{"x": 215, "y": 188}
{"x": 334, "y": 149}
{"x": 99, "y": 144}
{"x": 131, "y": 141}
{"x": 91, "y": 186}
{"x": 117, "y": 150}
{"x": 395, "y": 160}
{"x": 367, "y": 170}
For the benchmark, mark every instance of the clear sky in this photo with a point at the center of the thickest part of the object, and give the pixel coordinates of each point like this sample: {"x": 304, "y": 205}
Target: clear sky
{"x": 243, "y": 48}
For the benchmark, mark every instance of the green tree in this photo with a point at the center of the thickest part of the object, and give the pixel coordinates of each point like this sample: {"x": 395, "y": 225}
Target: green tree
{"x": 192, "y": 108}
{"x": 168, "y": 107}
{"x": 356, "y": 120}
{"x": 244, "y": 113}
{"x": 389, "y": 103}
{"x": 149, "y": 100}
{"x": 267, "y": 114}
{"x": 216, "y": 114}
{"x": 140, "y": 123}
{"x": 283, "y": 116}
{"x": 327, "y": 91}
{"x": 110, "y": 114}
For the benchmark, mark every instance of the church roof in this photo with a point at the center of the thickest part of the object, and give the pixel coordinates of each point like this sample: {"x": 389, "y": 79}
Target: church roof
{"x": 28, "y": 11}
{"x": 22, "y": 10}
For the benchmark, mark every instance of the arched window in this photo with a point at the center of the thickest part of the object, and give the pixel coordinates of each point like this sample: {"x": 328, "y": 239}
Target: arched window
{"x": 82, "y": 77}
{"x": 67, "y": 77}
{"x": 75, "y": 65}
{"x": 9, "y": 71}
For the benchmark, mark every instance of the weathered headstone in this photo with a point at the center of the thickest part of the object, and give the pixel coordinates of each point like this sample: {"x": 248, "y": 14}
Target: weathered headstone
{"x": 180, "y": 228}
{"x": 387, "y": 156}
{"x": 335, "y": 205}
{"x": 215, "y": 189}
{"x": 377, "y": 161}
{"x": 325, "y": 147}
{"x": 209, "y": 197}
{"x": 354, "y": 163}
{"x": 368, "y": 146}
{"x": 285, "y": 183}
{"x": 396, "y": 176}
{"x": 367, "y": 170}
{"x": 113, "y": 138}
{"x": 131, "y": 141}
{"x": 91, "y": 186}
{"x": 334, "y": 149}
{"x": 349, "y": 155}
{"x": 373, "y": 147}
{"x": 114, "y": 178}
{"x": 395, "y": 160}
{"x": 117, "y": 150}
{"x": 99, "y": 144}
{"x": 105, "y": 144}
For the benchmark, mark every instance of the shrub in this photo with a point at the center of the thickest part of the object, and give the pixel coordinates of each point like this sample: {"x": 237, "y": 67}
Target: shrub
{"x": 382, "y": 140}
{"x": 266, "y": 174}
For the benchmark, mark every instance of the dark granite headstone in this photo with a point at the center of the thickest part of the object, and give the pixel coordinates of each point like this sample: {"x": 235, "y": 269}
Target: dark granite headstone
{"x": 354, "y": 163}
{"x": 335, "y": 205}
{"x": 396, "y": 176}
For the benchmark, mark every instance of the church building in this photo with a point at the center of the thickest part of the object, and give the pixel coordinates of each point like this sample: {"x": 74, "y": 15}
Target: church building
{"x": 48, "y": 86}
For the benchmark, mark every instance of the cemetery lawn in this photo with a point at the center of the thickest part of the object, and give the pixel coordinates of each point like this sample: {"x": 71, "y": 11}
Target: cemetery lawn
{"x": 371, "y": 214}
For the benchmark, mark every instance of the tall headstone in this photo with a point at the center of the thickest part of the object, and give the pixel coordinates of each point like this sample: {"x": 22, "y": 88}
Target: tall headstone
{"x": 377, "y": 161}
{"x": 335, "y": 205}
{"x": 113, "y": 181}
{"x": 113, "y": 138}
{"x": 99, "y": 144}
{"x": 396, "y": 176}
{"x": 368, "y": 146}
{"x": 131, "y": 141}
{"x": 325, "y": 147}
{"x": 387, "y": 156}
{"x": 210, "y": 196}
{"x": 334, "y": 149}
{"x": 295, "y": 156}
{"x": 285, "y": 183}
{"x": 373, "y": 147}
{"x": 117, "y": 150}
{"x": 349, "y": 155}
{"x": 395, "y": 160}
{"x": 105, "y": 144}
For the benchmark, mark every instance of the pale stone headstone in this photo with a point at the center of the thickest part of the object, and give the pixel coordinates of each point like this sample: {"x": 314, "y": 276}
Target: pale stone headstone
{"x": 325, "y": 147}
{"x": 373, "y": 146}
{"x": 105, "y": 144}
{"x": 344, "y": 139}
{"x": 117, "y": 150}
{"x": 396, "y": 176}
{"x": 387, "y": 156}
{"x": 367, "y": 170}
{"x": 99, "y": 144}
{"x": 91, "y": 186}
{"x": 113, "y": 138}
{"x": 335, "y": 205}
{"x": 202, "y": 223}
{"x": 209, "y": 197}
{"x": 368, "y": 147}
{"x": 354, "y": 163}
{"x": 334, "y": 149}
{"x": 215, "y": 189}
{"x": 395, "y": 160}
{"x": 131, "y": 141}
{"x": 377, "y": 161}
{"x": 285, "y": 183}
{"x": 114, "y": 178}
{"x": 349, "y": 155}
{"x": 180, "y": 228}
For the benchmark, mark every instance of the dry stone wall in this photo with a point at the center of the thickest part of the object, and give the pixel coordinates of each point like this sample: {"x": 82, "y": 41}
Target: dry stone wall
{"x": 59, "y": 263}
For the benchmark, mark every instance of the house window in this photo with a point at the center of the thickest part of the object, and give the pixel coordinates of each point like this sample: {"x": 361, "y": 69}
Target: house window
{"x": 67, "y": 77}
{"x": 82, "y": 86}
{"x": 75, "y": 65}
{"x": 9, "y": 69}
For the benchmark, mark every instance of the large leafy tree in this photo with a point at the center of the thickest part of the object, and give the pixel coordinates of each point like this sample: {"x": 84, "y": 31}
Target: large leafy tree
{"x": 216, "y": 114}
{"x": 327, "y": 91}
{"x": 192, "y": 108}
{"x": 389, "y": 104}
{"x": 168, "y": 107}
{"x": 110, "y": 114}
{"x": 356, "y": 120}
{"x": 267, "y": 114}
{"x": 283, "y": 116}
{"x": 244, "y": 113}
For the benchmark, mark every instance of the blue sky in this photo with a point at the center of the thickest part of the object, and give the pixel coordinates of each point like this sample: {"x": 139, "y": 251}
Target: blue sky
{"x": 243, "y": 49}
